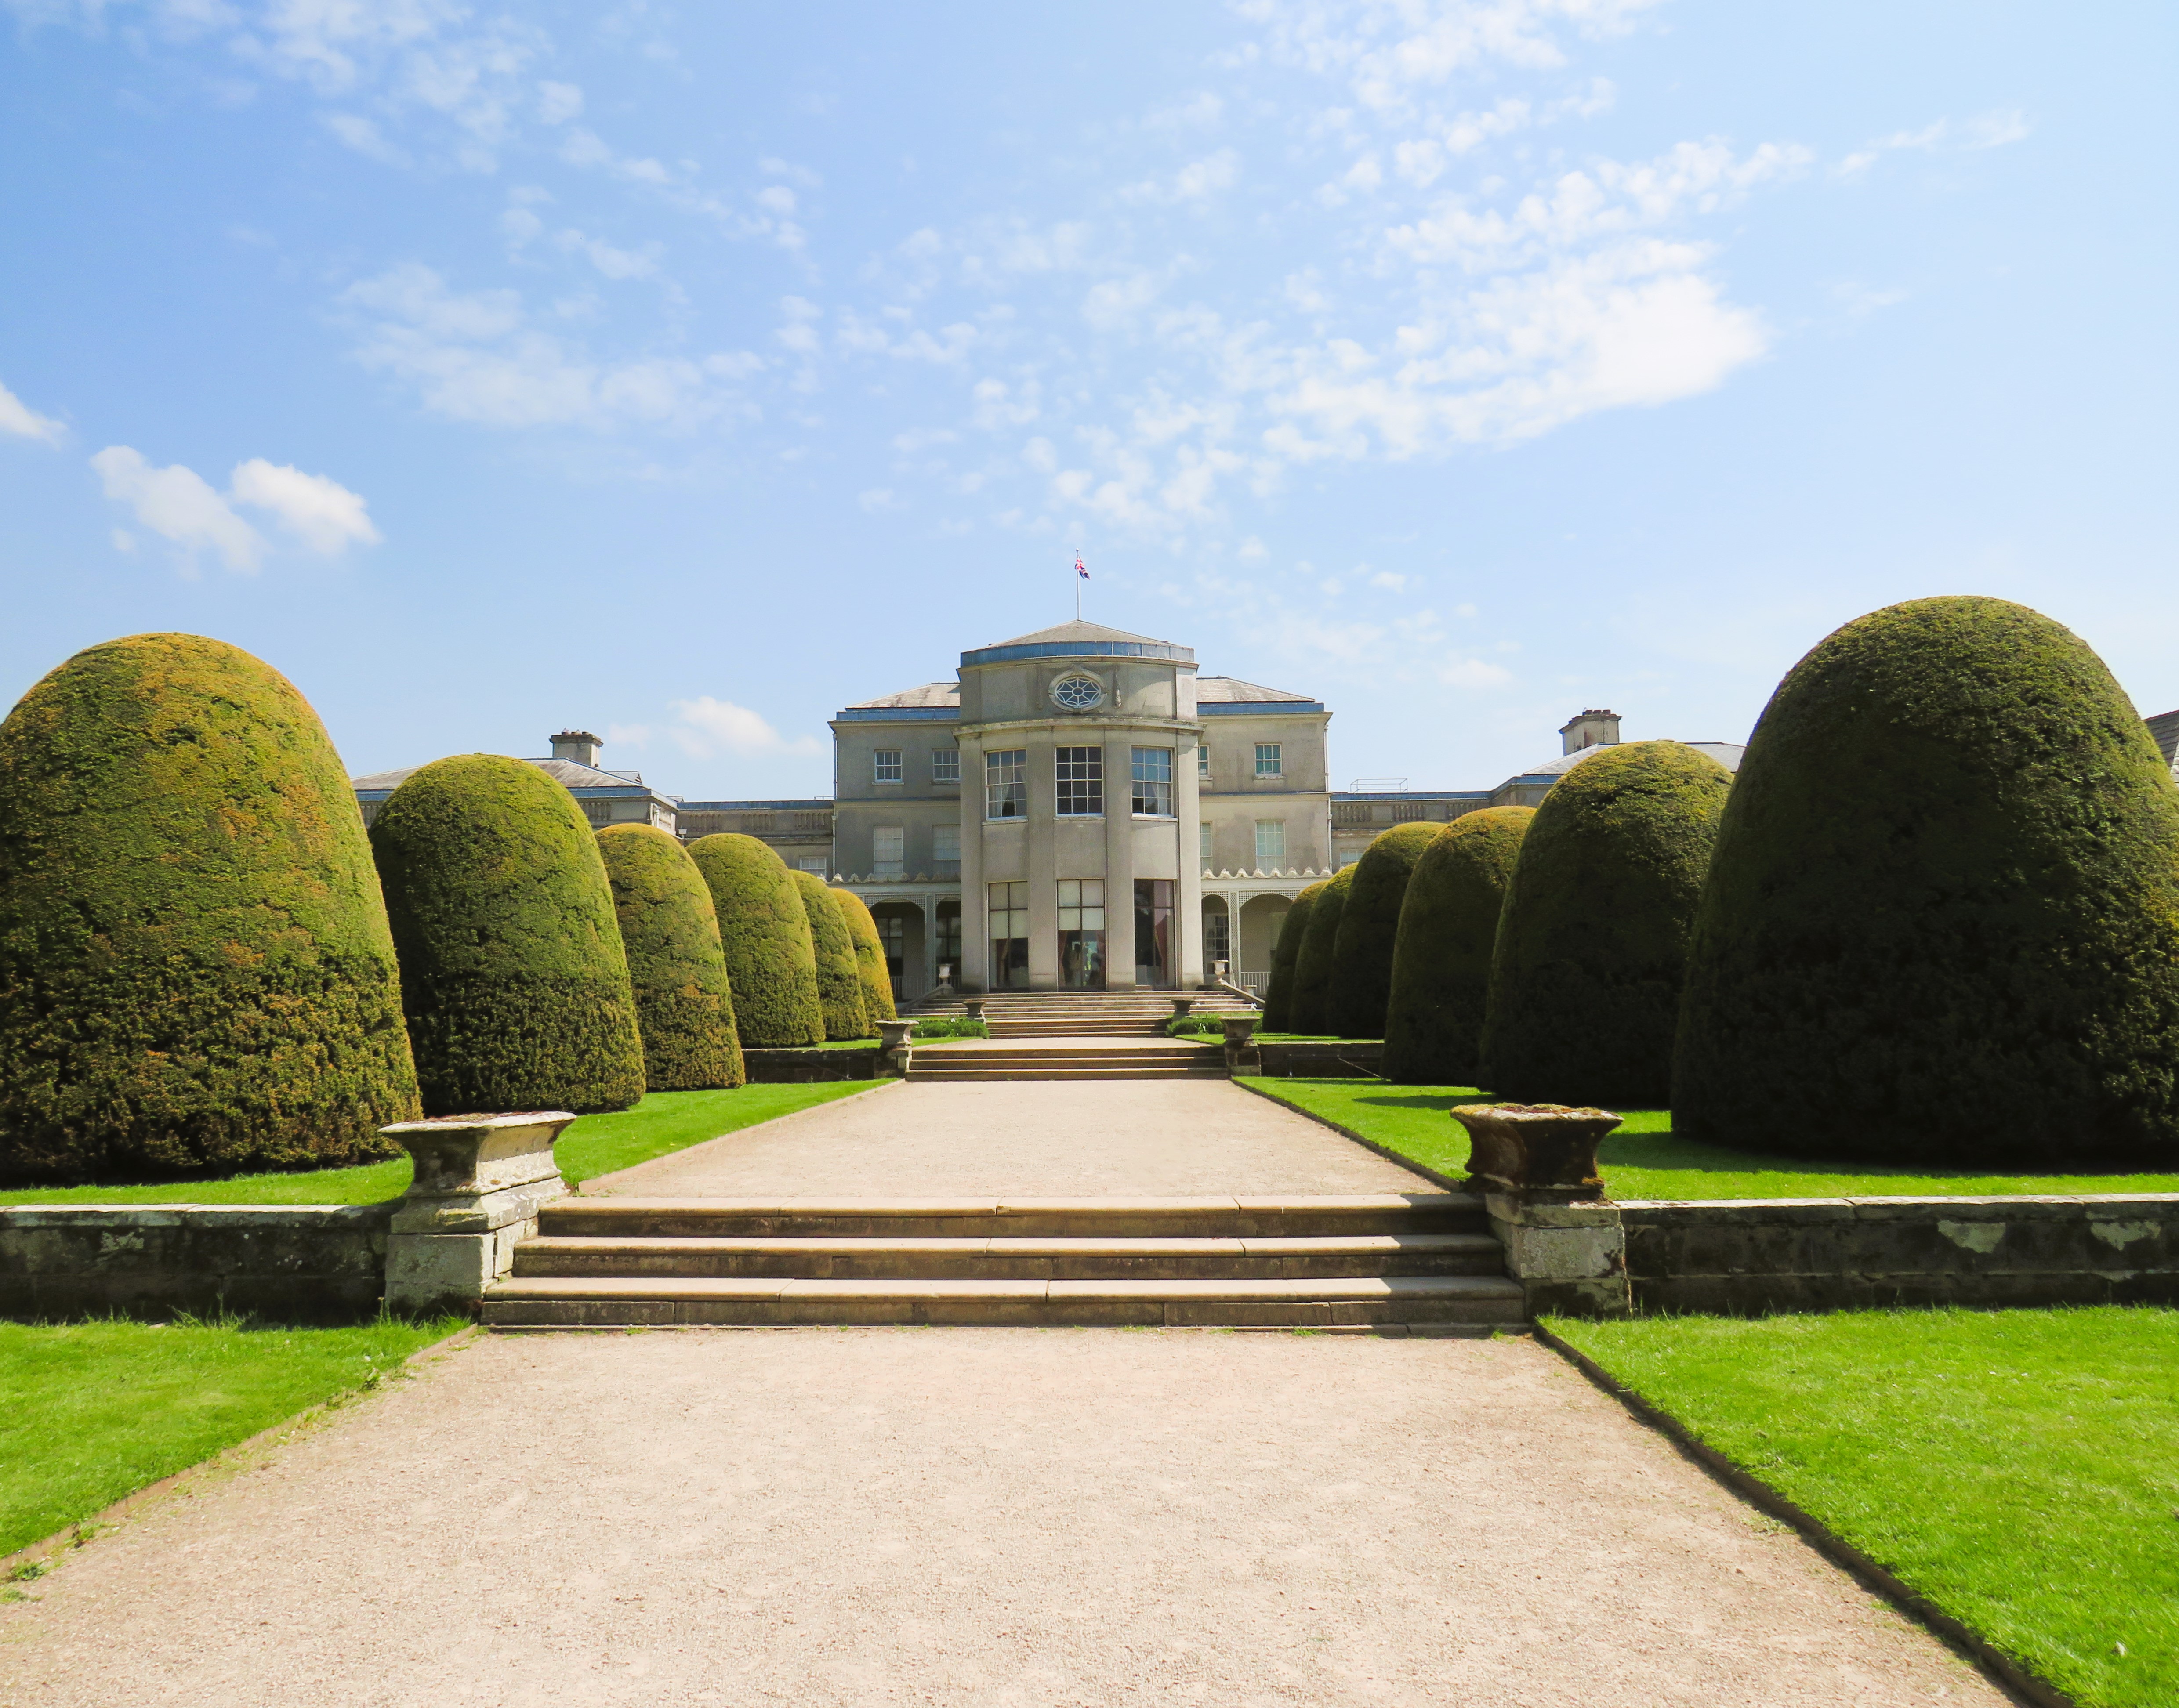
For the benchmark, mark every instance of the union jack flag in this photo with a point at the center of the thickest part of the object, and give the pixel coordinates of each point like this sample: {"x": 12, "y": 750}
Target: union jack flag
{"x": 1079, "y": 569}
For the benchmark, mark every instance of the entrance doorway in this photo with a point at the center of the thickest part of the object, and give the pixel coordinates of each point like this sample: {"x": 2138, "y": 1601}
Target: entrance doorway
{"x": 1154, "y": 945}
{"x": 1082, "y": 933}
{"x": 1009, "y": 927}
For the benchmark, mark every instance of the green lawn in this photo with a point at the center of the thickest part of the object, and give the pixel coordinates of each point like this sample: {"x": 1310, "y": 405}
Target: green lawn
{"x": 2019, "y": 1468}
{"x": 92, "y": 1411}
{"x": 594, "y": 1145}
{"x": 1643, "y": 1160}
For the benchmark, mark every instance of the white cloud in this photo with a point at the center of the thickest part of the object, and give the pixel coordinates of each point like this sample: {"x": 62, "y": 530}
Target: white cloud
{"x": 320, "y": 511}
{"x": 876, "y": 498}
{"x": 1196, "y": 182}
{"x": 706, "y": 726}
{"x": 614, "y": 263}
{"x": 558, "y": 102}
{"x": 480, "y": 357}
{"x": 1993, "y": 130}
{"x": 363, "y": 136}
{"x": 1390, "y": 580}
{"x": 19, "y": 420}
{"x": 178, "y": 504}
{"x": 1473, "y": 673}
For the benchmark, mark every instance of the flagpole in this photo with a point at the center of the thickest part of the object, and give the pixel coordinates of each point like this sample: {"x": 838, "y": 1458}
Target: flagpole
{"x": 1078, "y": 583}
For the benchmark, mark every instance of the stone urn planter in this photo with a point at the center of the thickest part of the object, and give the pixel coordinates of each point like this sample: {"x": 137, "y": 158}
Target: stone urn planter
{"x": 1241, "y": 1054}
{"x": 478, "y": 1182}
{"x": 893, "y": 1047}
{"x": 1182, "y": 1005}
{"x": 1539, "y": 1152}
{"x": 973, "y": 1006}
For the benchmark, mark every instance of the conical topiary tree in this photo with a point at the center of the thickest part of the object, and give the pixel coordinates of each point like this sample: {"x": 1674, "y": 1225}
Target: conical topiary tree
{"x": 684, "y": 1004}
{"x": 765, "y": 931}
{"x": 1441, "y": 967}
{"x": 839, "y": 981}
{"x": 1942, "y": 925}
{"x": 196, "y": 975}
{"x": 1361, "y": 956}
{"x": 512, "y": 971}
{"x": 870, "y": 957}
{"x": 1311, "y": 1008}
{"x": 1592, "y": 945}
{"x": 1278, "y": 989}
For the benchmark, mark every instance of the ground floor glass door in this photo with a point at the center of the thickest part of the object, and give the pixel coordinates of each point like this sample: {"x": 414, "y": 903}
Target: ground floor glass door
{"x": 1009, "y": 923}
{"x": 1154, "y": 941}
{"x": 1082, "y": 933}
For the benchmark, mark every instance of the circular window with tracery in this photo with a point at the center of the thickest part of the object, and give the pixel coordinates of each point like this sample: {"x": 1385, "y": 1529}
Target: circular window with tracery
{"x": 1077, "y": 692}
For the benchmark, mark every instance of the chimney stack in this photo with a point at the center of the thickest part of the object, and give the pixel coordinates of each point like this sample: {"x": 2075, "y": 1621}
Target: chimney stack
{"x": 1590, "y": 729}
{"x": 580, "y": 746}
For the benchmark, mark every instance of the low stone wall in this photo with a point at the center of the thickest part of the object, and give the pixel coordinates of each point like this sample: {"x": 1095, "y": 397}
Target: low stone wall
{"x": 810, "y": 1067}
{"x": 1340, "y": 1060}
{"x": 1749, "y": 1256}
{"x": 67, "y": 1259}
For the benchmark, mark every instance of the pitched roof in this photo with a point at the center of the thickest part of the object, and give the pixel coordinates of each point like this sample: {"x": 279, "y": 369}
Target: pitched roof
{"x": 1224, "y": 688}
{"x": 930, "y": 694}
{"x": 566, "y": 772}
{"x": 1079, "y": 631}
{"x": 1727, "y": 754}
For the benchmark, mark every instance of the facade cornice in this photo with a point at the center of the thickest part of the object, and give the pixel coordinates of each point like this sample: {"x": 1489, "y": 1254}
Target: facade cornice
{"x": 1030, "y": 726}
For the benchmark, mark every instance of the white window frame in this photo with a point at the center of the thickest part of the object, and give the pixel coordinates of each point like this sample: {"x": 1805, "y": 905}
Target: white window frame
{"x": 1152, "y": 797}
{"x": 940, "y": 836}
{"x": 1271, "y": 760}
{"x": 1090, "y": 782}
{"x": 946, "y": 765}
{"x": 883, "y": 760}
{"x": 1274, "y": 862}
{"x": 1203, "y": 840}
{"x": 1006, "y": 784}
{"x": 1203, "y": 759}
{"x": 892, "y": 836}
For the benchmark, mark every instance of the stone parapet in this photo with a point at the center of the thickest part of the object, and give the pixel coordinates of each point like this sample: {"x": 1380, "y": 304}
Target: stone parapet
{"x": 1336, "y": 1061}
{"x": 286, "y": 1259}
{"x": 479, "y": 1181}
{"x": 810, "y": 1067}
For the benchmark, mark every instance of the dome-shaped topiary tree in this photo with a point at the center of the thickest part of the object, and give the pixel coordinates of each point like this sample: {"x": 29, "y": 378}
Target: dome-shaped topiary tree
{"x": 1361, "y": 956}
{"x": 1441, "y": 967}
{"x": 839, "y": 981}
{"x": 1278, "y": 989}
{"x": 870, "y": 957}
{"x": 1942, "y": 925}
{"x": 1592, "y": 944}
{"x": 512, "y": 971}
{"x": 1310, "y": 1010}
{"x": 684, "y": 1004}
{"x": 765, "y": 931}
{"x": 196, "y": 974}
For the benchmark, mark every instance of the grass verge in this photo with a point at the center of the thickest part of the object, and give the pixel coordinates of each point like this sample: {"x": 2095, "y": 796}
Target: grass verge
{"x": 1644, "y": 1160}
{"x": 663, "y": 1122}
{"x": 90, "y": 1412}
{"x": 2020, "y": 1469}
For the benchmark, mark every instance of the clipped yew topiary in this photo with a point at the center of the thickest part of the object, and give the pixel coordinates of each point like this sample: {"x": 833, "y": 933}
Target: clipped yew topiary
{"x": 1441, "y": 966}
{"x": 684, "y": 1004}
{"x": 839, "y": 981}
{"x": 1311, "y": 1008}
{"x": 870, "y": 957}
{"x": 1592, "y": 944}
{"x": 1278, "y": 989}
{"x": 765, "y": 931}
{"x": 196, "y": 974}
{"x": 512, "y": 971}
{"x": 1361, "y": 956}
{"x": 1942, "y": 926}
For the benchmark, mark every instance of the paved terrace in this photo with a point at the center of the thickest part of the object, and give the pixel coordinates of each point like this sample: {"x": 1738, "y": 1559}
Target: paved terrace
{"x": 1141, "y": 1138}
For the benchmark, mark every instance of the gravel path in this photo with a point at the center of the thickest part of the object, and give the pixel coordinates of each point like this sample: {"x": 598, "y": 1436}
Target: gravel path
{"x": 968, "y": 1517}
{"x": 1048, "y": 1138}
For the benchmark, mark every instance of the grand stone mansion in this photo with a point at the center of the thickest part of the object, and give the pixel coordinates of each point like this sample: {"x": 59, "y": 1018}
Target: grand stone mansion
{"x": 1078, "y": 809}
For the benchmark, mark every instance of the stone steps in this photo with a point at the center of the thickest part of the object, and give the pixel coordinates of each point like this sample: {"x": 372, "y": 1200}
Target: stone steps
{"x": 986, "y": 1061}
{"x": 1375, "y": 1260}
{"x": 1013, "y": 1259}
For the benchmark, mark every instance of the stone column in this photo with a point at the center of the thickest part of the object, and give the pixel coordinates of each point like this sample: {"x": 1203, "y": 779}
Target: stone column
{"x": 1187, "y": 893}
{"x": 1119, "y": 867}
{"x": 973, "y": 973}
{"x": 1041, "y": 858}
{"x": 478, "y": 1182}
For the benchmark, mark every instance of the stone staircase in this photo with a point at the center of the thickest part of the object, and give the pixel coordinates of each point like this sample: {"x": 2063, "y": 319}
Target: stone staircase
{"x": 1088, "y": 1013}
{"x": 1425, "y": 1259}
{"x": 968, "y": 1061}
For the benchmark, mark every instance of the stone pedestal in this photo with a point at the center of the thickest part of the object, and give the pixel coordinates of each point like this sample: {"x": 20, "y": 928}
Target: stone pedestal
{"x": 973, "y": 1007}
{"x": 1242, "y": 1056}
{"x": 480, "y": 1180}
{"x": 893, "y": 1050}
{"x": 1182, "y": 1005}
{"x": 1535, "y": 1167}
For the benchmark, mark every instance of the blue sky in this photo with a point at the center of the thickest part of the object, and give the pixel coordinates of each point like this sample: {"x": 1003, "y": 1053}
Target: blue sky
{"x": 688, "y": 373}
